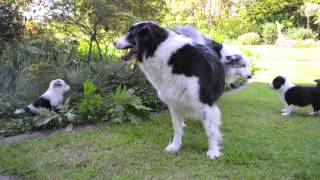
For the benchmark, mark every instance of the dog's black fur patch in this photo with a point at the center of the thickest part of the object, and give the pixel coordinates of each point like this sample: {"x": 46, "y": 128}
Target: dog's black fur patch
{"x": 303, "y": 96}
{"x": 215, "y": 46}
{"x": 278, "y": 82}
{"x": 42, "y": 102}
{"x": 199, "y": 61}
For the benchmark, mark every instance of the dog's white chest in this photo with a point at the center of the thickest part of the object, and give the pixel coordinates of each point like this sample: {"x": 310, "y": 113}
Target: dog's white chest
{"x": 176, "y": 90}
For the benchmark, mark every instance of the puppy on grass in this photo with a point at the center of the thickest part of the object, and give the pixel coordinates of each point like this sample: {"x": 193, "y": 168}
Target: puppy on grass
{"x": 52, "y": 98}
{"x": 296, "y": 95}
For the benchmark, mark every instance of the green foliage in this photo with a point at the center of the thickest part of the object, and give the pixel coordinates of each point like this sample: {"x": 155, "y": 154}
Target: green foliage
{"x": 300, "y": 34}
{"x": 126, "y": 106}
{"x": 97, "y": 19}
{"x": 62, "y": 116}
{"x": 11, "y": 24}
{"x": 251, "y": 38}
{"x": 264, "y": 11}
{"x": 253, "y": 57}
{"x": 232, "y": 27}
{"x": 269, "y": 33}
{"x": 91, "y": 103}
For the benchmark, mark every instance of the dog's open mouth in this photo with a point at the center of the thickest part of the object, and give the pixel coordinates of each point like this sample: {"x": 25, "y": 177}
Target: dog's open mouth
{"x": 131, "y": 52}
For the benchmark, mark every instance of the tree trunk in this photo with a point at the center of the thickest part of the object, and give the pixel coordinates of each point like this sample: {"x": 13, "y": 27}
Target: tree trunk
{"x": 308, "y": 22}
{"x": 99, "y": 49}
{"x": 90, "y": 50}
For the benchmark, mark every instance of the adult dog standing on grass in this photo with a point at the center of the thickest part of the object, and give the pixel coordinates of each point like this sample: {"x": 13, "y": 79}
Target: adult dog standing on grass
{"x": 188, "y": 77}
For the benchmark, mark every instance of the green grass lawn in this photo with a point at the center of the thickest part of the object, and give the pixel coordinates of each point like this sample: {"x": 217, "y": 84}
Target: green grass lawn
{"x": 258, "y": 142}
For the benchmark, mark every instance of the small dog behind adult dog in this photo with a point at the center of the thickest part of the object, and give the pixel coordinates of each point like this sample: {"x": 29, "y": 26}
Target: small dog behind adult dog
{"x": 296, "y": 95}
{"x": 52, "y": 98}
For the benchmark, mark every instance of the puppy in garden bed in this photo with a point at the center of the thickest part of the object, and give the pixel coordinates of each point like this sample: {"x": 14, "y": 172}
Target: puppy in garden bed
{"x": 296, "y": 95}
{"x": 52, "y": 98}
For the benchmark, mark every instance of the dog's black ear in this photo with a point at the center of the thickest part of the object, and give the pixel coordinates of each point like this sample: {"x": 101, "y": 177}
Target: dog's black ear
{"x": 143, "y": 42}
{"x": 143, "y": 38}
{"x": 148, "y": 38}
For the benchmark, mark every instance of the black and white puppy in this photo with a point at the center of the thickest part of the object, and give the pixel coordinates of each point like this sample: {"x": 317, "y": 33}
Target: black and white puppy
{"x": 236, "y": 63}
{"x": 188, "y": 77}
{"x": 52, "y": 98}
{"x": 296, "y": 95}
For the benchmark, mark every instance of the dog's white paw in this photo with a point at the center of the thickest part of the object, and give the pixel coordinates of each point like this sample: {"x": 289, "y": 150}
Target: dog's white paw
{"x": 283, "y": 110}
{"x": 213, "y": 154}
{"x": 285, "y": 114}
{"x": 172, "y": 147}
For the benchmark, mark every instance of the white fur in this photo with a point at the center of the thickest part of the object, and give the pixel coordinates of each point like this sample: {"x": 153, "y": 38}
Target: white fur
{"x": 56, "y": 94}
{"x": 233, "y": 73}
{"x": 181, "y": 94}
{"x": 122, "y": 43}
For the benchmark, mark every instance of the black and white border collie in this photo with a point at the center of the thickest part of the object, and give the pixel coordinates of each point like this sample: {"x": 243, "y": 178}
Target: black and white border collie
{"x": 296, "y": 95}
{"x": 52, "y": 98}
{"x": 188, "y": 77}
{"x": 236, "y": 63}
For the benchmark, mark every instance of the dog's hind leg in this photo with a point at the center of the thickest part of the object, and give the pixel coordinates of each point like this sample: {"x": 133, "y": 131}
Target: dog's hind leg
{"x": 178, "y": 124}
{"x": 211, "y": 122}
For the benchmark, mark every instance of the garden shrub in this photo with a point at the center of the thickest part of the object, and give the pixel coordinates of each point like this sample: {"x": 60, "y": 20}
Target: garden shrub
{"x": 269, "y": 33}
{"x": 250, "y": 38}
{"x": 300, "y": 34}
{"x": 61, "y": 117}
{"x": 126, "y": 106}
{"x": 91, "y": 103}
{"x": 232, "y": 27}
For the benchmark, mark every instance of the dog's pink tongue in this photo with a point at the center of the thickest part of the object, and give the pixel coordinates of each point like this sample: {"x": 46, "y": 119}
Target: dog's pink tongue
{"x": 127, "y": 56}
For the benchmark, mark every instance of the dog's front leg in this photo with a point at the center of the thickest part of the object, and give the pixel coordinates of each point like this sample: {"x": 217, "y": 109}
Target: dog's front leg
{"x": 287, "y": 110}
{"x": 211, "y": 122}
{"x": 178, "y": 124}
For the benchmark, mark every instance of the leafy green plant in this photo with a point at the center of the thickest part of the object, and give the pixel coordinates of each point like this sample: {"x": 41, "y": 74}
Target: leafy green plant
{"x": 300, "y": 34}
{"x": 269, "y": 33}
{"x": 126, "y": 106}
{"x": 62, "y": 116}
{"x": 250, "y": 38}
{"x": 91, "y": 103}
